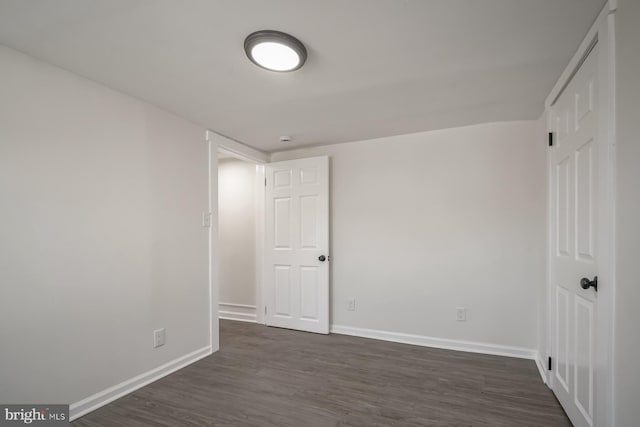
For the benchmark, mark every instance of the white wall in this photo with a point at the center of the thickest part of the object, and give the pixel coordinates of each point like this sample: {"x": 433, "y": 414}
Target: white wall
{"x": 427, "y": 222}
{"x": 627, "y": 313}
{"x": 237, "y": 231}
{"x": 101, "y": 242}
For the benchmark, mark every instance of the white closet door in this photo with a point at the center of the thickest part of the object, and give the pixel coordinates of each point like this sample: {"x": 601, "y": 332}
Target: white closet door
{"x": 296, "y": 245}
{"x": 574, "y": 265}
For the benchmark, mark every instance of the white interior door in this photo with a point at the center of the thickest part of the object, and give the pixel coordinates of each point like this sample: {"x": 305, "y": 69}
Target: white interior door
{"x": 296, "y": 280}
{"x": 574, "y": 185}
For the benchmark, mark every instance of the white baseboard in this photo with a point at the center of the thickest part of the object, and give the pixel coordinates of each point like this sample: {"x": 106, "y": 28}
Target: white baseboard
{"x": 541, "y": 369}
{"x": 447, "y": 344}
{"x": 91, "y": 403}
{"x": 240, "y": 312}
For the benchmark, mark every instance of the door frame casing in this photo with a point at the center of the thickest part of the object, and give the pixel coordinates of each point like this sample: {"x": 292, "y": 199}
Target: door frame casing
{"x": 600, "y": 35}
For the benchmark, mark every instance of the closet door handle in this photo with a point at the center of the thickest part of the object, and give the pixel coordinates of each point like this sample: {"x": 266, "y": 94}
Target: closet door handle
{"x": 586, "y": 283}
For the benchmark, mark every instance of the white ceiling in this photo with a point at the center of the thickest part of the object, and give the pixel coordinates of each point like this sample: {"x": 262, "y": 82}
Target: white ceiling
{"x": 375, "y": 67}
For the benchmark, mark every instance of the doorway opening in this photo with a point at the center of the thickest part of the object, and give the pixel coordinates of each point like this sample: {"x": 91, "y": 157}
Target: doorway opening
{"x": 239, "y": 237}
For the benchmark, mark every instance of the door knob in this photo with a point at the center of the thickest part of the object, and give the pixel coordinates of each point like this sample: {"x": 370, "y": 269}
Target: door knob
{"x": 586, "y": 283}
{"x": 322, "y": 258}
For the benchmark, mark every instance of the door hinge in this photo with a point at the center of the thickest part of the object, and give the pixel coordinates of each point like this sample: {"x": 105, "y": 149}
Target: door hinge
{"x": 265, "y": 182}
{"x": 550, "y": 365}
{"x": 265, "y": 310}
{"x": 550, "y": 139}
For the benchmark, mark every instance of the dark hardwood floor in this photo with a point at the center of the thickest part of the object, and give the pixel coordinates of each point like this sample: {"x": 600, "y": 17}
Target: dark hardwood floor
{"x": 276, "y": 377}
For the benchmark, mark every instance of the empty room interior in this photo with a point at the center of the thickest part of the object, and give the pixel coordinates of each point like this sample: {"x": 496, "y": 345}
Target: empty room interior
{"x": 319, "y": 213}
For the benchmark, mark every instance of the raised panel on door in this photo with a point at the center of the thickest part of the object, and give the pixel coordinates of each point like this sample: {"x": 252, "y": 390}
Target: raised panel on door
{"x": 562, "y": 338}
{"x": 309, "y": 222}
{"x": 309, "y": 175}
{"x": 282, "y": 222}
{"x": 562, "y": 125}
{"x": 282, "y": 281}
{"x": 583, "y": 368}
{"x": 282, "y": 178}
{"x": 563, "y": 217}
{"x": 584, "y": 101}
{"x": 309, "y": 293}
{"x": 584, "y": 158}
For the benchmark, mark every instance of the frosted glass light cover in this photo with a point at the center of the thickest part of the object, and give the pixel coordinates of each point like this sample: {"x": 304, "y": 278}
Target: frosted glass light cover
{"x": 275, "y": 56}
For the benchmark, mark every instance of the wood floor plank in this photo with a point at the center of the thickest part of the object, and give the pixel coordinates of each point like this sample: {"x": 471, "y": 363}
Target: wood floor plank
{"x": 276, "y": 377}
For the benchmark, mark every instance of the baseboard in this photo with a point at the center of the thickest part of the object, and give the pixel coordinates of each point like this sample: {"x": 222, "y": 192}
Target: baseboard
{"x": 91, "y": 403}
{"x": 542, "y": 369}
{"x": 447, "y": 344}
{"x": 240, "y": 312}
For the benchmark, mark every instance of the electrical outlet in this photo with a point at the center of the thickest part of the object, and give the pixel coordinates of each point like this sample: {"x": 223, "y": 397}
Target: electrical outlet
{"x": 351, "y": 304}
{"x": 461, "y": 314}
{"x": 158, "y": 338}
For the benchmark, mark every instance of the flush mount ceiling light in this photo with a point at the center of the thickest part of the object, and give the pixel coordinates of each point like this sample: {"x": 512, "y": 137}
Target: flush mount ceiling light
{"x": 275, "y": 51}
